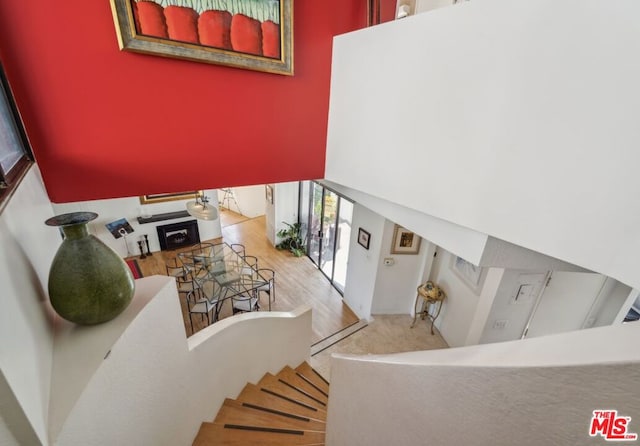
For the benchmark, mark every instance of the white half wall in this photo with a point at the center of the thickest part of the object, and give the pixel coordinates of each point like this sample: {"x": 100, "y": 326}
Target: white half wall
{"x": 535, "y": 392}
{"x": 26, "y": 318}
{"x": 511, "y": 118}
{"x": 154, "y": 386}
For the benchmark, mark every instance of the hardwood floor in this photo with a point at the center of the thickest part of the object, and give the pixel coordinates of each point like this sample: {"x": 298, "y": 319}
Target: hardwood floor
{"x": 297, "y": 280}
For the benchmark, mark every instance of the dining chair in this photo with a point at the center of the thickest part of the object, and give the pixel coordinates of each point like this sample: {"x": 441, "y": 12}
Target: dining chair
{"x": 199, "y": 305}
{"x": 238, "y": 249}
{"x": 270, "y": 287}
{"x": 245, "y": 304}
{"x": 200, "y": 255}
{"x": 186, "y": 259}
{"x": 175, "y": 268}
{"x": 250, "y": 266}
{"x": 188, "y": 285}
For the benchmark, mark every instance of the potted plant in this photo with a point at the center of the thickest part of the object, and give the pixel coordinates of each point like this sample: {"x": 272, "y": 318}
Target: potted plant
{"x": 291, "y": 239}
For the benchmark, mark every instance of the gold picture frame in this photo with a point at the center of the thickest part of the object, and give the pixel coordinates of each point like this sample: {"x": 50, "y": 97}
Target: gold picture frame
{"x": 161, "y": 198}
{"x": 405, "y": 241}
{"x": 263, "y": 40}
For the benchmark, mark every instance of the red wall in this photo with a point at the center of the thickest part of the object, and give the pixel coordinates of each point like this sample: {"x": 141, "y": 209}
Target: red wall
{"x": 105, "y": 123}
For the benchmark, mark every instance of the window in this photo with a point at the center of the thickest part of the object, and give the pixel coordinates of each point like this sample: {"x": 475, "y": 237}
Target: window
{"x": 326, "y": 219}
{"x": 15, "y": 152}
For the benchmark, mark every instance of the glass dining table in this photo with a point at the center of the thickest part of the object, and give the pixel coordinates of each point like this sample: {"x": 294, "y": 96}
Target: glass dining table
{"x": 222, "y": 274}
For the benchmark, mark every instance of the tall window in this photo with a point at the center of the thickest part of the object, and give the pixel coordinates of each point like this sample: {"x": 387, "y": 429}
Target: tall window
{"x": 15, "y": 153}
{"x": 326, "y": 219}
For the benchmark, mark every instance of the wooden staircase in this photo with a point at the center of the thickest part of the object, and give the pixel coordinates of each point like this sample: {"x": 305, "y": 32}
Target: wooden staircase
{"x": 289, "y": 408}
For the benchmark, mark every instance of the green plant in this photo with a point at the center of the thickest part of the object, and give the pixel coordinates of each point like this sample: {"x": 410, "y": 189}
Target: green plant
{"x": 291, "y": 239}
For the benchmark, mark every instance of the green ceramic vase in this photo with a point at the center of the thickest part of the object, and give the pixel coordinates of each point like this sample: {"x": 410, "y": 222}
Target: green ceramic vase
{"x": 89, "y": 283}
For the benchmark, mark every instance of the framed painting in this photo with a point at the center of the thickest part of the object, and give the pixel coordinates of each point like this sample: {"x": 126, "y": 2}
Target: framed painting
{"x": 160, "y": 198}
{"x": 249, "y": 34}
{"x": 468, "y": 272}
{"x": 405, "y": 241}
{"x": 364, "y": 238}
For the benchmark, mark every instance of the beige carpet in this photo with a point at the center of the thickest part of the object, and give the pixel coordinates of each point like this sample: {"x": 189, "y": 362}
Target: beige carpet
{"x": 385, "y": 334}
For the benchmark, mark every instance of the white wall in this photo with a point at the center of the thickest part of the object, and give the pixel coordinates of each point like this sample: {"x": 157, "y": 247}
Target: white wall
{"x": 283, "y": 209}
{"x": 270, "y": 217}
{"x": 286, "y": 197}
{"x": 250, "y": 200}
{"x": 395, "y": 289}
{"x": 534, "y": 392}
{"x": 27, "y": 247}
{"x": 507, "y": 255}
{"x": 130, "y": 208}
{"x": 459, "y": 308}
{"x": 565, "y": 302}
{"x": 363, "y": 263}
{"x": 508, "y": 117}
{"x": 609, "y": 305}
{"x": 492, "y": 281}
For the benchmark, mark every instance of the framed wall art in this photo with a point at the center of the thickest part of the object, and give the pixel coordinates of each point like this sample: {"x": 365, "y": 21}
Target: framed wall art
{"x": 468, "y": 272}
{"x": 405, "y": 241}
{"x": 364, "y": 238}
{"x": 160, "y": 198}
{"x": 249, "y": 34}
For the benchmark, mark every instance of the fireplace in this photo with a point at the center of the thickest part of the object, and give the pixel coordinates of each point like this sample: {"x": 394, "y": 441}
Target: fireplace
{"x": 177, "y": 235}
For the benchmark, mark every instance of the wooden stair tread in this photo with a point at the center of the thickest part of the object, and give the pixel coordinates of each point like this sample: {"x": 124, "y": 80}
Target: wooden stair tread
{"x": 289, "y": 408}
{"x": 247, "y": 414}
{"x": 312, "y": 375}
{"x": 215, "y": 434}
{"x": 290, "y": 376}
{"x": 254, "y": 394}
{"x": 272, "y": 382}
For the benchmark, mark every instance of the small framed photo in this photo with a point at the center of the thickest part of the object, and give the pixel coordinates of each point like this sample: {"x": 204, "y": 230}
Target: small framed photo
{"x": 268, "y": 193}
{"x": 119, "y": 228}
{"x": 468, "y": 272}
{"x": 405, "y": 241}
{"x": 363, "y": 238}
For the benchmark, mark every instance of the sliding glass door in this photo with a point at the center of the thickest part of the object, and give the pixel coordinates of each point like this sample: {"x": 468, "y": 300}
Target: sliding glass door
{"x": 329, "y": 230}
{"x": 343, "y": 237}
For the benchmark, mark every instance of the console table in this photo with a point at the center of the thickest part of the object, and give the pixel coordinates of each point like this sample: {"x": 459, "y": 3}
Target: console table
{"x": 431, "y": 296}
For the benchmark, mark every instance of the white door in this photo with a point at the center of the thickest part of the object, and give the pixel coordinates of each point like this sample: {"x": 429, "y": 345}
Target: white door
{"x": 565, "y": 303}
